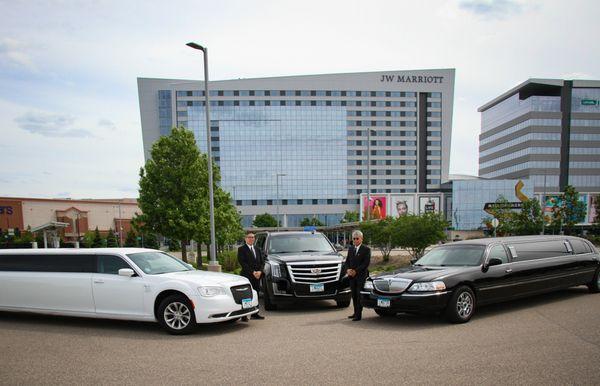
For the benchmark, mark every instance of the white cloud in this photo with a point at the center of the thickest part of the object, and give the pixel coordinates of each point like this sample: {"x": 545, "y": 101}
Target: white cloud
{"x": 51, "y": 125}
{"x": 13, "y": 54}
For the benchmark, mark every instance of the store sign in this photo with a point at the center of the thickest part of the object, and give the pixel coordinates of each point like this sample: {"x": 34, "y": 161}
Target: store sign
{"x": 6, "y": 209}
{"x": 411, "y": 79}
{"x": 502, "y": 205}
{"x": 589, "y": 102}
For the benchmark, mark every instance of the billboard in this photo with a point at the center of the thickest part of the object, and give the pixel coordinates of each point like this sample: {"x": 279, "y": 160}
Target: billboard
{"x": 429, "y": 204}
{"x": 401, "y": 205}
{"x": 375, "y": 208}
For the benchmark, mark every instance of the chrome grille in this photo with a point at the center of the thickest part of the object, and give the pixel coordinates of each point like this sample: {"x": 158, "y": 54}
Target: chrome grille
{"x": 395, "y": 285}
{"x": 314, "y": 271}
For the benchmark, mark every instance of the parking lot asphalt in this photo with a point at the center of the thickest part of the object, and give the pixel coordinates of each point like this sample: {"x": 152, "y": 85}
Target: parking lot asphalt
{"x": 548, "y": 339}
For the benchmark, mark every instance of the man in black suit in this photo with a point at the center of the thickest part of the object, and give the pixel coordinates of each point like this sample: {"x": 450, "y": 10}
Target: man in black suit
{"x": 357, "y": 264}
{"x": 252, "y": 263}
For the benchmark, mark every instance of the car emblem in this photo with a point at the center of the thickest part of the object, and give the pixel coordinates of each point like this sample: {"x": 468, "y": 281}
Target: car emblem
{"x": 241, "y": 289}
{"x": 315, "y": 270}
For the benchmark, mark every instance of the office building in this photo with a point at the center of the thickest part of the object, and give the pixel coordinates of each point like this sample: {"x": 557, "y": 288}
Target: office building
{"x": 311, "y": 145}
{"x": 544, "y": 130}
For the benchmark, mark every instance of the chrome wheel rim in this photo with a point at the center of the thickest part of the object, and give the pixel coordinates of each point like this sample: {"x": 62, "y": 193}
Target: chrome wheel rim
{"x": 464, "y": 305}
{"x": 177, "y": 315}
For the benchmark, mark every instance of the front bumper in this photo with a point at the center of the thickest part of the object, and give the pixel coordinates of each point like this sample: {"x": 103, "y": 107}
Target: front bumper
{"x": 221, "y": 308}
{"x": 283, "y": 289}
{"x": 408, "y": 302}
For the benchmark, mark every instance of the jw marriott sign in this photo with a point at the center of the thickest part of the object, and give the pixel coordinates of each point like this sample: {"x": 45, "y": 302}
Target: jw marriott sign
{"x": 412, "y": 78}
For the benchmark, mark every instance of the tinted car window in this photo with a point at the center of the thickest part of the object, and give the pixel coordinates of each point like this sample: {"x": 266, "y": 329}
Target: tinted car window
{"x": 48, "y": 263}
{"x": 156, "y": 263}
{"x": 498, "y": 252}
{"x": 580, "y": 246}
{"x": 295, "y": 243}
{"x": 460, "y": 255}
{"x": 541, "y": 249}
{"x": 111, "y": 264}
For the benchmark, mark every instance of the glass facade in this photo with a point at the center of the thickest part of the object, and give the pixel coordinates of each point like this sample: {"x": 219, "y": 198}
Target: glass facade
{"x": 306, "y": 146}
{"x": 470, "y": 196}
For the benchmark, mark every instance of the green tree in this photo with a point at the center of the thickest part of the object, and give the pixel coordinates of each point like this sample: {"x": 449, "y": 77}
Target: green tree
{"x": 264, "y": 221}
{"x": 111, "y": 239}
{"x": 98, "y": 241}
{"x": 350, "y": 216}
{"x": 416, "y": 232}
{"x": 505, "y": 215}
{"x": 573, "y": 209}
{"x": 379, "y": 234}
{"x": 529, "y": 221}
{"x": 150, "y": 240}
{"x": 174, "y": 188}
{"x": 87, "y": 240}
{"x": 131, "y": 239}
{"x": 313, "y": 221}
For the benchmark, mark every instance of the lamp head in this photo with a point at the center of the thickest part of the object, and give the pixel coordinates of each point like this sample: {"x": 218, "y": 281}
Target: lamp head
{"x": 195, "y": 46}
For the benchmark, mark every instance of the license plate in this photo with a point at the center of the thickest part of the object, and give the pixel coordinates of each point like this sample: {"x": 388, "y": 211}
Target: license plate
{"x": 246, "y": 303}
{"x": 383, "y": 302}
{"x": 317, "y": 288}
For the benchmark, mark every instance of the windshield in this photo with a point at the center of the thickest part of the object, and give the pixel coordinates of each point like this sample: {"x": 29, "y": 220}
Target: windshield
{"x": 154, "y": 263}
{"x": 298, "y": 243}
{"x": 448, "y": 256}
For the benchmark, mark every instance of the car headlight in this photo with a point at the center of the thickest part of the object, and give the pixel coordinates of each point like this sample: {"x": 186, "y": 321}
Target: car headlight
{"x": 428, "y": 286}
{"x": 368, "y": 285}
{"x": 275, "y": 269}
{"x": 210, "y": 291}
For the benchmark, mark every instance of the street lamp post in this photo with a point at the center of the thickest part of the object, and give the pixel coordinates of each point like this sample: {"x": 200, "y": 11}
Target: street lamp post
{"x": 277, "y": 179}
{"x": 213, "y": 265}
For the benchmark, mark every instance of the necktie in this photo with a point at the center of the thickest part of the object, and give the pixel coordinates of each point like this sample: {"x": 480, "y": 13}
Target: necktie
{"x": 254, "y": 253}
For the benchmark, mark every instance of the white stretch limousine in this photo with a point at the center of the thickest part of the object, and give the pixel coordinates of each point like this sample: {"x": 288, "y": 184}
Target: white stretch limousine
{"x": 121, "y": 283}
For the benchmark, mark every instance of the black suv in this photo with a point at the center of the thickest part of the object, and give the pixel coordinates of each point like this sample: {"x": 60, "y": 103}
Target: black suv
{"x": 302, "y": 266}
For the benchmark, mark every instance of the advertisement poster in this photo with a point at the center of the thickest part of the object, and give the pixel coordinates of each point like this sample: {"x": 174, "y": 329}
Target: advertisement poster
{"x": 402, "y": 205}
{"x": 592, "y": 207}
{"x": 429, "y": 205}
{"x": 376, "y": 207}
{"x": 553, "y": 203}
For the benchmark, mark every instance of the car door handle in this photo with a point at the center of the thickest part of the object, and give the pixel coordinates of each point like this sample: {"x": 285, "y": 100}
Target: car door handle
{"x": 508, "y": 270}
{"x": 99, "y": 281}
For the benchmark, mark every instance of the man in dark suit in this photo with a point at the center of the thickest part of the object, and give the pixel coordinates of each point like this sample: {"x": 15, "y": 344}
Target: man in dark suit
{"x": 252, "y": 263}
{"x": 357, "y": 264}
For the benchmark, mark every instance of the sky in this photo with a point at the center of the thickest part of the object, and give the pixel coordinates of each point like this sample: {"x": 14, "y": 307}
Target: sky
{"x": 69, "y": 110}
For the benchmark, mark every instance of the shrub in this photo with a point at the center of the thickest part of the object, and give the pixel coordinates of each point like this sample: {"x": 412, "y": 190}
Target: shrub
{"x": 228, "y": 261}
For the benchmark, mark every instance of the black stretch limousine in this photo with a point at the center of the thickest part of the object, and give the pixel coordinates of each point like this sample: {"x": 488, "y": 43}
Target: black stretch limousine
{"x": 456, "y": 278}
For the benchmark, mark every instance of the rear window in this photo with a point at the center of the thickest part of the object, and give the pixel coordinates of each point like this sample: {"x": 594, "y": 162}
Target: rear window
{"x": 448, "y": 256}
{"x": 541, "y": 249}
{"x": 48, "y": 263}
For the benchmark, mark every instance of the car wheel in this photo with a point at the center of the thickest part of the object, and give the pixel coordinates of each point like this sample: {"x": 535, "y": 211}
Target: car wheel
{"x": 176, "y": 315}
{"x": 384, "y": 313}
{"x": 461, "y": 306}
{"x": 594, "y": 285}
{"x": 342, "y": 303}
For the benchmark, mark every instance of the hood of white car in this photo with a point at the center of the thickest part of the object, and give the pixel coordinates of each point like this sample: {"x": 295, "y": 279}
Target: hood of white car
{"x": 206, "y": 278}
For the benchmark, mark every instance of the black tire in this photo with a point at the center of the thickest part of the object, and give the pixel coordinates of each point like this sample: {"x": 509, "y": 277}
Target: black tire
{"x": 461, "y": 306}
{"x": 176, "y": 315}
{"x": 342, "y": 303}
{"x": 594, "y": 285}
{"x": 384, "y": 313}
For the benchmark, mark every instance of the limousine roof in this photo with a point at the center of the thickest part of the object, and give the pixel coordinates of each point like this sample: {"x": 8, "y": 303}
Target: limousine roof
{"x": 512, "y": 239}
{"x": 72, "y": 251}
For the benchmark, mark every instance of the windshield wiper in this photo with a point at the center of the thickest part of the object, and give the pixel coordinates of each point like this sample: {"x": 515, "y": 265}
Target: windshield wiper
{"x": 311, "y": 250}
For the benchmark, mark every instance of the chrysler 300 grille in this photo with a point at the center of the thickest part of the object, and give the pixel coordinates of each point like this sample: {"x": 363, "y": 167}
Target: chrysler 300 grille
{"x": 240, "y": 292}
{"x": 314, "y": 271}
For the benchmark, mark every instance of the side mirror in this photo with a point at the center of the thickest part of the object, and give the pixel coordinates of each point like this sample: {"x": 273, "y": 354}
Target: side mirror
{"x": 339, "y": 248}
{"x": 189, "y": 266}
{"x": 126, "y": 272}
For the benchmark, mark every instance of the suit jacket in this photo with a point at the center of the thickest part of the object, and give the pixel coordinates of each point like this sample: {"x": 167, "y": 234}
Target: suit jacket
{"x": 248, "y": 262}
{"x": 360, "y": 262}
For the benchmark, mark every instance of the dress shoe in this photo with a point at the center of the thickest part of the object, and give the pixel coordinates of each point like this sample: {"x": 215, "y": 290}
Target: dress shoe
{"x": 351, "y": 317}
{"x": 244, "y": 319}
{"x": 356, "y": 318}
{"x": 257, "y": 316}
